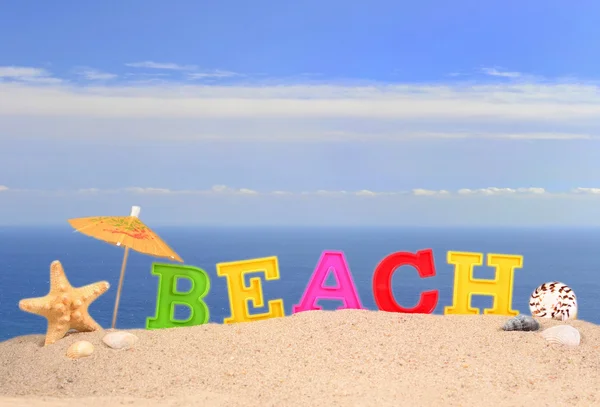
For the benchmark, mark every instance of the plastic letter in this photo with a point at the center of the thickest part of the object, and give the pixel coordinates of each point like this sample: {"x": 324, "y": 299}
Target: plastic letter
{"x": 168, "y": 296}
{"x": 382, "y": 281}
{"x": 500, "y": 288}
{"x": 316, "y": 290}
{"x": 240, "y": 293}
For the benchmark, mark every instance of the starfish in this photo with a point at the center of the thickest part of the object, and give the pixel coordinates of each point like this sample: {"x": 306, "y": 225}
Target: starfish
{"x": 65, "y": 307}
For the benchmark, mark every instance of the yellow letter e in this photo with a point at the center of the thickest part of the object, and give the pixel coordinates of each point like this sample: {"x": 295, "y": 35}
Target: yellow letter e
{"x": 240, "y": 294}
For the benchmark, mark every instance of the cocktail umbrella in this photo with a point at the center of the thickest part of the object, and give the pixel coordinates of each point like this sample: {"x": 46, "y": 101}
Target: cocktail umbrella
{"x": 128, "y": 231}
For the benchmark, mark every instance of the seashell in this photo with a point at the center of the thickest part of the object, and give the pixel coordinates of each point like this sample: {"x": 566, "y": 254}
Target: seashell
{"x": 521, "y": 323}
{"x": 562, "y": 335}
{"x": 119, "y": 340}
{"x": 553, "y": 300}
{"x": 80, "y": 349}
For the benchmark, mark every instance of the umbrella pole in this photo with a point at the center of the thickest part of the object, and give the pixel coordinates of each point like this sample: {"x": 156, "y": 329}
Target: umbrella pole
{"x": 114, "y": 321}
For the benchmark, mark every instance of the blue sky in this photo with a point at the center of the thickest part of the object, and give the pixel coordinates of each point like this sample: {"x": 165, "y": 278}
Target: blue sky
{"x": 308, "y": 113}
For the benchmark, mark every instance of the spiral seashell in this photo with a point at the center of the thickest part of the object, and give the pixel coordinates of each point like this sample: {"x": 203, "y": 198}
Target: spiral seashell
{"x": 119, "y": 340}
{"x": 562, "y": 335}
{"x": 521, "y": 323}
{"x": 80, "y": 349}
{"x": 553, "y": 300}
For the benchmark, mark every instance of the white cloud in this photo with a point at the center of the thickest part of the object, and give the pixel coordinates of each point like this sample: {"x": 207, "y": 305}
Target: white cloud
{"x": 41, "y": 80}
{"x": 366, "y": 192}
{"x": 161, "y": 65}
{"x": 361, "y": 193}
{"x": 268, "y": 111}
{"x": 220, "y": 188}
{"x": 504, "y": 74}
{"x": 215, "y": 74}
{"x": 226, "y": 190}
{"x": 357, "y": 136}
{"x": 324, "y": 192}
{"x": 216, "y": 189}
{"x": 593, "y": 191}
{"x": 486, "y": 191}
{"x": 501, "y": 191}
{"x": 94, "y": 74}
{"x": 548, "y": 136}
{"x": 89, "y": 191}
{"x": 369, "y": 193}
{"x": 223, "y": 189}
{"x": 138, "y": 190}
{"x": 27, "y": 74}
{"x": 147, "y": 74}
{"x": 428, "y": 192}
{"x": 21, "y": 72}
{"x": 532, "y": 190}
{"x": 3, "y": 188}
{"x": 520, "y": 102}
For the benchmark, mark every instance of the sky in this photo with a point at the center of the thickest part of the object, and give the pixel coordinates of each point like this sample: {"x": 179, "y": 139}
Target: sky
{"x": 424, "y": 113}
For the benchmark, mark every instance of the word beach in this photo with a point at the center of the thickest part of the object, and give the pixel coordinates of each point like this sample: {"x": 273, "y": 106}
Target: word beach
{"x": 240, "y": 294}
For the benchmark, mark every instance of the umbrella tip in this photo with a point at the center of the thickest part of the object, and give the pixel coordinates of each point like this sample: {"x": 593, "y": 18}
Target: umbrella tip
{"x": 135, "y": 211}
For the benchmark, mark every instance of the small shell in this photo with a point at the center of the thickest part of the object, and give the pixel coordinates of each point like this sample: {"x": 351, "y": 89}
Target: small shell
{"x": 553, "y": 300}
{"x": 562, "y": 335}
{"x": 119, "y": 340}
{"x": 80, "y": 349}
{"x": 521, "y": 323}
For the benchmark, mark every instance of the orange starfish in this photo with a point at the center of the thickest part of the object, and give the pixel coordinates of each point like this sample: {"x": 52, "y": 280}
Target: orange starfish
{"x": 65, "y": 307}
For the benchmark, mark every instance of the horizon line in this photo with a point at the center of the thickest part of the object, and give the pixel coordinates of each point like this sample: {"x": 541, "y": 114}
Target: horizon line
{"x": 317, "y": 226}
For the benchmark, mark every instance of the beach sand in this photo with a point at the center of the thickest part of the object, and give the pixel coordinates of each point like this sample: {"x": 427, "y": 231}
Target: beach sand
{"x": 317, "y": 358}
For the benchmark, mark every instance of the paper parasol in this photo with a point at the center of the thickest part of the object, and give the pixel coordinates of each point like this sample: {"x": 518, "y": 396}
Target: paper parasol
{"x": 128, "y": 231}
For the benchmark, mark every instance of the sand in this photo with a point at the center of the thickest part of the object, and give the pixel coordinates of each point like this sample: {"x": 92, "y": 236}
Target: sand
{"x": 318, "y": 358}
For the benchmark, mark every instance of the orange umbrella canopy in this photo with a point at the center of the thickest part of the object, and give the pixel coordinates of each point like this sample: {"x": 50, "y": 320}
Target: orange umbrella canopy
{"x": 127, "y": 231}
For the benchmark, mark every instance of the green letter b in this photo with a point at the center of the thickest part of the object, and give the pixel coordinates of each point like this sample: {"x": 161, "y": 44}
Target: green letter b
{"x": 168, "y": 296}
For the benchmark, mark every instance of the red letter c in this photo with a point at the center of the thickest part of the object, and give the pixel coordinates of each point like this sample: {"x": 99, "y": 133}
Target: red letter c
{"x": 382, "y": 281}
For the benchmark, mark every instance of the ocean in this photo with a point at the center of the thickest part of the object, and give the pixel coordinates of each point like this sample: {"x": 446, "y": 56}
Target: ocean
{"x": 567, "y": 255}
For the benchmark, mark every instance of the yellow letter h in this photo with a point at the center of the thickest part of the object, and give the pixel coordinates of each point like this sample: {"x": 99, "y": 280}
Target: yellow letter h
{"x": 500, "y": 288}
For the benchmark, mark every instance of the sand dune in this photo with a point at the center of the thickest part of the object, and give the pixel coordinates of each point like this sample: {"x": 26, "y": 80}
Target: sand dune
{"x": 341, "y": 358}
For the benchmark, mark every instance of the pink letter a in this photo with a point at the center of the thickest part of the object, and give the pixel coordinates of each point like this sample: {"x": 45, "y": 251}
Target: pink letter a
{"x": 316, "y": 289}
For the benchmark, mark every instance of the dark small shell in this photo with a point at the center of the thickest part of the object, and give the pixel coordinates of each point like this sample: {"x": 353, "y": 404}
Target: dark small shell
{"x": 521, "y": 323}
